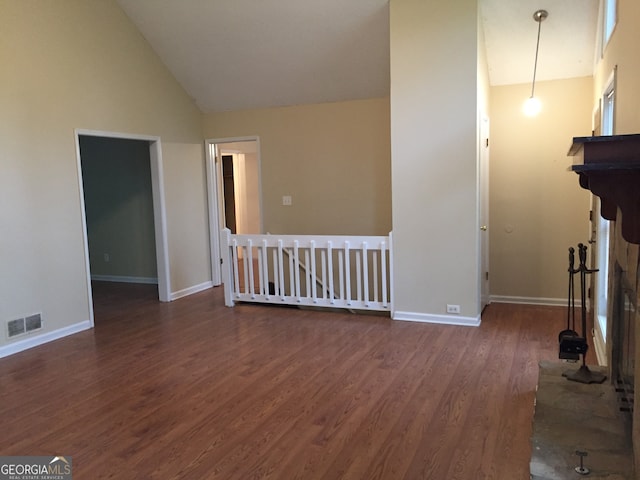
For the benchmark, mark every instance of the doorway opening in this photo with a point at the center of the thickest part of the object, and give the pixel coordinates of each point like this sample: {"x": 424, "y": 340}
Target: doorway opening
{"x": 123, "y": 210}
{"x": 234, "y": 191}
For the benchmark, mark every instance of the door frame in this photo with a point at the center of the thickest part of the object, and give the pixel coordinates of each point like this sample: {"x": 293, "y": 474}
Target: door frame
{"x": 159, "y": 210}
{"x": 215, "y": 200}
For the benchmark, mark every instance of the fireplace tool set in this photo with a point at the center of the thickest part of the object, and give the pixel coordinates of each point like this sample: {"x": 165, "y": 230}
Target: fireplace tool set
{"x": 572, "y": 344}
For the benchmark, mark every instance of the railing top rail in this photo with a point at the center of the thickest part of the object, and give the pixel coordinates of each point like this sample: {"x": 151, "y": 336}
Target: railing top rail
{"x": 321, "y": 241}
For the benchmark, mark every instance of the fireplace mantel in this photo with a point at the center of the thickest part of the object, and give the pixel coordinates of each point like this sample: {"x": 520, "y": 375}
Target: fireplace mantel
{"x": 609, "y": 166}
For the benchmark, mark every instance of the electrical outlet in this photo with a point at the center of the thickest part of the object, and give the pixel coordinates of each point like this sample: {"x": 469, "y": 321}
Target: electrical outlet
{"x": 453, "y": 308}
{"x": 286, "y": 200}
{"x": 106, "y": 257}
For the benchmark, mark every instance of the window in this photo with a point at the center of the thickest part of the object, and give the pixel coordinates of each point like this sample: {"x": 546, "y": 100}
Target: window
{"x": 602, "y": 276}
{"x": 608, "y": 104}
{"x": 609, "y": 19}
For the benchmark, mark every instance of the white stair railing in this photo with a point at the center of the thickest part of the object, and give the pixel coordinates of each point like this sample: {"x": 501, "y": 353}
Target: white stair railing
{"x": 350, "y": 272}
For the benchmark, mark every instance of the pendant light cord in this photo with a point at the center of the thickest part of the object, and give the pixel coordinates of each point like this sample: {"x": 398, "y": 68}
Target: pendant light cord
{"x": 535, "y": 63}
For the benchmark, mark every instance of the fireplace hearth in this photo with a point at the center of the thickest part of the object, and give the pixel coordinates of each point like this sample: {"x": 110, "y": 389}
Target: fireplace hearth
{"x": 573, "y": 417}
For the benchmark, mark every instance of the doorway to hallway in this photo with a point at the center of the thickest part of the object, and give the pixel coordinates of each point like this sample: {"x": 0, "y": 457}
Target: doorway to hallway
{"x": 234, "y": 191}
{"x": 123, "y": 210}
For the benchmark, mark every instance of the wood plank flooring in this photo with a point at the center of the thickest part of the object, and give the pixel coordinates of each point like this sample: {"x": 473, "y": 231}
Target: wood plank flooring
{"x": 192, "y": 389}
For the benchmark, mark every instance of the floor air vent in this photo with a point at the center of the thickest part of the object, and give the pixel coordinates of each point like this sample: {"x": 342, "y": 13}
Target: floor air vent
{"x": 33, "y": 322}
{"x": 20, "y": 326}
{"x": 15, "y": 327}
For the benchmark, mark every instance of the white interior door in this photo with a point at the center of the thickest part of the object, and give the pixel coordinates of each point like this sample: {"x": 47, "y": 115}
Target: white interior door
{"x": 213, "y": 190}
{"x": 484, "y": 212}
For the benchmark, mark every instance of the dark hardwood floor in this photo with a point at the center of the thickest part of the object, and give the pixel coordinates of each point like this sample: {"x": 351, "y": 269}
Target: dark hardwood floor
{"x": 192, "y": 389}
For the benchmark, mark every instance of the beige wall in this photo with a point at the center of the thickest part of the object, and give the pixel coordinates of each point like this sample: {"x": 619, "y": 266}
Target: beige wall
{"x": 484, "y": 89}
{"x": 332, "y": 158}
{"x": 81, "y": 64}
{"x": 187, "y": 214}
{"x": 538, "y": 210}
{"x": 434, "y": 135}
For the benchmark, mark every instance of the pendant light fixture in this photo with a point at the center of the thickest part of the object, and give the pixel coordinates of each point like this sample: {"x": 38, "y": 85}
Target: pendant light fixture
{"x": 532, "y": 105}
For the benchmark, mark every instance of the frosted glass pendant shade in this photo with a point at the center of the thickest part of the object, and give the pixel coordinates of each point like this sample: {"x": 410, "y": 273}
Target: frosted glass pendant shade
{"x": 531, "y": 107}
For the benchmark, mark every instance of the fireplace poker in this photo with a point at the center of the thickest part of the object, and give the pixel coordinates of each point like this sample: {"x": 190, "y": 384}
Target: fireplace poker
{"x": 584, "y": 271}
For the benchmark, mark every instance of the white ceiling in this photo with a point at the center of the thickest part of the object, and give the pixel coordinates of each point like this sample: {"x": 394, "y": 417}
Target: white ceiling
{"x": 567, "y": 39}
{"x": 240, "y": 54}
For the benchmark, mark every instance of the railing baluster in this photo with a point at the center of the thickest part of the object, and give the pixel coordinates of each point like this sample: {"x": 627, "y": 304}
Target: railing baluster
{"x": 296, "y": 256}
{"x": 249, "y": 263}
{"x": 236, "y": 267}
{"x": 264, "y": 280}
{"x": 227, "y": 266}
{"x": 323, "y": 260}
{"x": 330, "y": 267}
{"x": 276, "y": 273}
{"x": 374, "y": 255}
{"x": 312, "y": 274}
{"x": 365, "y": 274}
{"x": 281, "y": 270}
{"x": 260, "y": 291}
{"x": 358, "y": 254}
{"x": 242, "y": 252}
{"x": 341, "y": 273}
{"x": 307, "y": 275}
{"x": 347, "y": 270}
{"x": 292, "y": 287}
{"x": 383, "y": 266}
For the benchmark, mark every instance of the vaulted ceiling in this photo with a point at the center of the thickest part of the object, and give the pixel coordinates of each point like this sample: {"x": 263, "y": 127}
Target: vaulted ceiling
{"x": 241, "y": 54}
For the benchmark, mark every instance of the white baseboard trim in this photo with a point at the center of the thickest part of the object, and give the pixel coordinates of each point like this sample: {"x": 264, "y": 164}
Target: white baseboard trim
{"x": 440, "y": 319}
{"x": 34, "y": 341}
{"x": 125, "y": 279}
{"x": 191, "y": 290}
{"x": 557, "y": 302}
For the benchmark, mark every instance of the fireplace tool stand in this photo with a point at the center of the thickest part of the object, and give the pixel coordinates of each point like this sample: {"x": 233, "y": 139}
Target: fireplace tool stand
{"x": 571, "y": 345}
